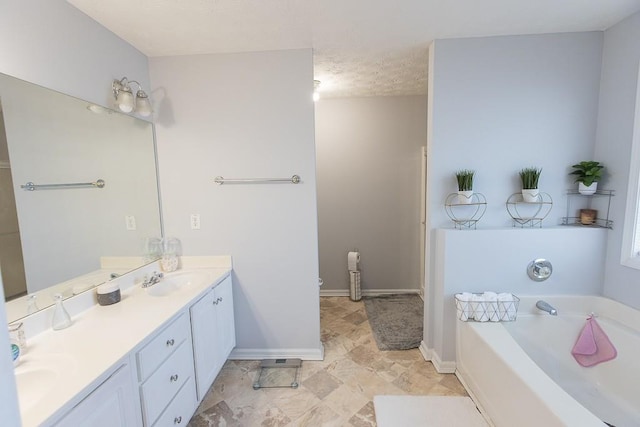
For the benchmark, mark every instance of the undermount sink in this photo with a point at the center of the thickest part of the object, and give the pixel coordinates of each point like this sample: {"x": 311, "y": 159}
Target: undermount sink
{"x": 173, "y": 282}
{"x": 36, "y": 377}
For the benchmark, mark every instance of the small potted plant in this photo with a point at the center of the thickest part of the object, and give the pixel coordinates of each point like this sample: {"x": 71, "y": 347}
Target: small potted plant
{"x": 465, "y": 186}
{"x": 588, "y": 174}
{"x": 529, "y": 178}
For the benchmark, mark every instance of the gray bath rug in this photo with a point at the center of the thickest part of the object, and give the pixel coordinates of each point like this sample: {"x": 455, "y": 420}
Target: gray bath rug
{"x": 396, "y": 320}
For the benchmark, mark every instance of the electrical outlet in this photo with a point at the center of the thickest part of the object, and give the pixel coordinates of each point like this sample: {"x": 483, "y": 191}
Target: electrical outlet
{"x": 195, "y": 221}
{"x": 130, "y": 222}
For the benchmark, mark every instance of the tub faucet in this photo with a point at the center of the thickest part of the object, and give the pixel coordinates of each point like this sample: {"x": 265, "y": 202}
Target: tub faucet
{"x": 150, "y": 281}
{"x": 545, "y": 306}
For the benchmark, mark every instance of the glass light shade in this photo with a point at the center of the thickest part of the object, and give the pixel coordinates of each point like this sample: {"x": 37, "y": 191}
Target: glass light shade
{"x": 143, "y": 105}
{"x": 124, "y": 100}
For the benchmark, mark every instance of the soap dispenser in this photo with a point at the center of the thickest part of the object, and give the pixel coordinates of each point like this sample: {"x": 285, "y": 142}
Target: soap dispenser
{"x": 61, "y": 318}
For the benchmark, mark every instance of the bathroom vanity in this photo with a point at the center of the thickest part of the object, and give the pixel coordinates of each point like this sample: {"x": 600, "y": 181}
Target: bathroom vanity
{"x": 145, "y": 361}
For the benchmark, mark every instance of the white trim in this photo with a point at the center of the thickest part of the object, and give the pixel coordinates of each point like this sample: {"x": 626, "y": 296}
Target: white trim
{"x": 426, "y": 352}
{"x": 628, "y": 257}
{"x": 366, "y": 293}
{"x": 442, "y": 366}
{"x": 283, "y": 353}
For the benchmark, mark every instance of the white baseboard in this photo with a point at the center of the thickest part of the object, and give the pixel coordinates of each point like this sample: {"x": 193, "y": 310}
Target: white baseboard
{"x": 366, "y": 292}
{"x": 426, "y": 352}
{"x": 442, "y": 366}
{"x": 283, "y": 353}
{"x": 472, "y": 394}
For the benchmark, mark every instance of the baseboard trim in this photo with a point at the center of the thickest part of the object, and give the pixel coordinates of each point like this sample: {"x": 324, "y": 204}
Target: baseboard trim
{"x": 443, "y": 367}
{"x": 283, "y": 353}
{"x": 367, "y": 292}
{"x": 426, "y": 352}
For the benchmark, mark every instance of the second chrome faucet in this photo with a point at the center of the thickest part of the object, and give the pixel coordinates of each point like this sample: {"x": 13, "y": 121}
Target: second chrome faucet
{"x": 150, "y": 281}
{"x": 545, "y": 306}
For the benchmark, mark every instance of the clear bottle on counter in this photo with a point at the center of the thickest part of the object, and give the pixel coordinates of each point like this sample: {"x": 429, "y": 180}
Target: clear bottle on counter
{"x": 61, "y": 318}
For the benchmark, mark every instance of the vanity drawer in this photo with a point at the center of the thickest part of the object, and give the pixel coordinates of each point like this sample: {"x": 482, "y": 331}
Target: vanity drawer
{"x": 158, "y": 349}
{"x": 181, "y": 408}
{"x": 163, "y": 385}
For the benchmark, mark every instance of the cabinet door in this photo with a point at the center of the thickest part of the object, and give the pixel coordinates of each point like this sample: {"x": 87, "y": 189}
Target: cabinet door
{"x": 205, "y": 335}
{"x": 226, "y": 322}
{"x": 109, "y": 405}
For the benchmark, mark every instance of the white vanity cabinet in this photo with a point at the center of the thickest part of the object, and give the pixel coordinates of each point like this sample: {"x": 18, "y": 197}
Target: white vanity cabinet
{"x": 213, "y": 333}
{"x": 110, "y": 404}
{"x": 165, "y": 372}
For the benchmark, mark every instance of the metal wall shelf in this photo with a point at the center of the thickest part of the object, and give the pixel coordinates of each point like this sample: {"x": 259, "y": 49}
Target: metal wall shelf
{"x": 529, "y": 214}
{"x": 601, "y": 221}
{"x": 465, "y": 215}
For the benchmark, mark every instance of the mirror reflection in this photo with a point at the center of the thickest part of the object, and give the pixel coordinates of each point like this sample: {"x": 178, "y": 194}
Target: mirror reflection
{"x": 58, "y": 238}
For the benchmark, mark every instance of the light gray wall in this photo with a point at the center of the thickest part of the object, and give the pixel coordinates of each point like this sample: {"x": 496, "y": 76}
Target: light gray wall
{"x": 503, "y": 103}
{"x": 242, "y": 116}
{"x": 53, "y": 44}
{"x": 50, "y": 43}
{"x": 621, "y": 58}
{"x": 369, "y": 159}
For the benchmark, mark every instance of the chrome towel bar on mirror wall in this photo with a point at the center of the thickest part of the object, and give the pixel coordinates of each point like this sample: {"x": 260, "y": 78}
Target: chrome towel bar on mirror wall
{"x": 30, "y": 186}
{"x": 295, "y": 179}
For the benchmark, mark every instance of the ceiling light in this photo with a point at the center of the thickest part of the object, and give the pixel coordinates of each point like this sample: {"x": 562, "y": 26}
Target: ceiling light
{"x": 316, "y": 93}
{"x": 125, "y": 101}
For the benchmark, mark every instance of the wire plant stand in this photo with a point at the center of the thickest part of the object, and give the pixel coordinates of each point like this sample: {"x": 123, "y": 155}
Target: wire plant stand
{"x": 465, "y": 215}
{"x": 529, "y": 214}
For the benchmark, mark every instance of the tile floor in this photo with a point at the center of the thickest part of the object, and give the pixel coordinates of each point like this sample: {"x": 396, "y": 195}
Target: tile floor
{"x": 337, "y": 391}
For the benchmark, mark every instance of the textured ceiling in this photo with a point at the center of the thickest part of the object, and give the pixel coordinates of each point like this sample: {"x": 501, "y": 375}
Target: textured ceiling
{"x": 361, "y": 47}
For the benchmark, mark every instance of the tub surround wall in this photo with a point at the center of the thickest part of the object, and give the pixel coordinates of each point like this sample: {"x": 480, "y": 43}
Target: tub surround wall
{"x": 498, "y": 104}
{"x": 242, "y": 116}
{"x": 621, "y": 58}
{"x": 497, "y": 260}
{"x": 369, "y": 159}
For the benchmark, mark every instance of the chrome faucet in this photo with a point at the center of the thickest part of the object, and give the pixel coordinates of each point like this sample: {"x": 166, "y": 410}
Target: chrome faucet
{"x": 545, "y": 306}
{"x": 150, "y": 281}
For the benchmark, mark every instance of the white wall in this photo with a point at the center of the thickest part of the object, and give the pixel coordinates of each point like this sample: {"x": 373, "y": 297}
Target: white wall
{"x": 242, "y": 116}
{"x": 499, "y": 104}
{"x": 620, "y": 62}
{"x": 369, "y": 158}
{"x": 51, "y": 43}
{"x": 466, "y": 265}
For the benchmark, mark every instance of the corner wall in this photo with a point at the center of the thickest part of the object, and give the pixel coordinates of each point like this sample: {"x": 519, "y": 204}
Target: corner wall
{"x": 369, "y": 165}
{"x": 247, "y": 115}
{"x": 620, "y": 64}
{"x": 499, "y": 104}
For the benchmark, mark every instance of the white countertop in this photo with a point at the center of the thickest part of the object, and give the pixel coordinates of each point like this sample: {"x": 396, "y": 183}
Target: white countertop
{"x": 101, "y": 336}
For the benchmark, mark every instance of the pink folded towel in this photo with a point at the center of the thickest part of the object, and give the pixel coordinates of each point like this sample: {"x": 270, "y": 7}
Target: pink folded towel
{"x": 593, "y": 345}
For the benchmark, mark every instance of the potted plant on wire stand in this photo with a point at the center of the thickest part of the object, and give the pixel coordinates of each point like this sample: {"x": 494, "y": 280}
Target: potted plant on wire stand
{"x": 529, "y": 178}
{"x": 588, "y": 174}
{"x": 465, "y": 186}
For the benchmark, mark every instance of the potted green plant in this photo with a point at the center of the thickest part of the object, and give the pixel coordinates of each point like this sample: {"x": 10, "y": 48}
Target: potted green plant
{"x": 588, "y": 173}
{"x": 529, "y": 178}
{"x": 465, "y": 186}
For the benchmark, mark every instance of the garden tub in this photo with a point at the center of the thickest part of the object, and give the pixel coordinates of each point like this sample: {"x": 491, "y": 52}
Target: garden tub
{"x": 522, "y": 373}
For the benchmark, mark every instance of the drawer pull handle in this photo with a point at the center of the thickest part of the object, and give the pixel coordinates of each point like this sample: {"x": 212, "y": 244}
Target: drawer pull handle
{"x": 219, "y": 299}
{"x": 174, "y": 377}
{"x": 170, "y": 342}
{"x": 215, "y": 302}
{"x": 177, "y": 420}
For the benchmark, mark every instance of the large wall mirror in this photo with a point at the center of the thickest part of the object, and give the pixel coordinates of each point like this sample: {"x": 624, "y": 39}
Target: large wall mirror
{"x": 68, "y": 238}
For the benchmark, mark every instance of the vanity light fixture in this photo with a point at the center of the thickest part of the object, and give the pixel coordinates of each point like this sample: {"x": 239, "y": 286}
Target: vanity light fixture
{"x": 316, "y": 94}
{"x": 125, "y": 101}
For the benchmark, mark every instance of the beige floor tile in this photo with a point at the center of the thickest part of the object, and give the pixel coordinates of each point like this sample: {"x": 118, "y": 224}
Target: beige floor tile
{"x": 337, "y": 391}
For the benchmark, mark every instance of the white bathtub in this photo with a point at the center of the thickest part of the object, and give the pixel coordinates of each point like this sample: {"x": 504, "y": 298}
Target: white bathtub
{"x": 522, "y": 373}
